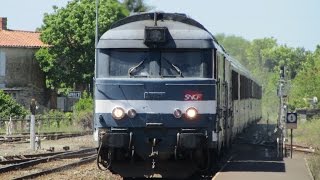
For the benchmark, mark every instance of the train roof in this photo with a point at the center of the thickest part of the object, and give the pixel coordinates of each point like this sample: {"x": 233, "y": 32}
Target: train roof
{"x": 161, "y": 16}
{"x": 184, "y": 32}
{"x": 241, "y": 69}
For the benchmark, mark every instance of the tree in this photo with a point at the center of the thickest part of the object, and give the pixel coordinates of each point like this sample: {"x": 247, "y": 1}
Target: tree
{"x": 9, "y": 107}
{"x": 236, "y": 46}
{"x": 136, "y": 5}
{"x": 70, "y": 32}
{"x": 257, "y": 50}
{"x": 291, "y": 58}
{"x": 305, "y": 85}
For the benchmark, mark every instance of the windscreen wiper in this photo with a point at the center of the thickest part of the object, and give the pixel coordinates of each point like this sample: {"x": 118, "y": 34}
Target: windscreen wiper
{"x": 134, "y": 68}
{"x": 176, "y": 68}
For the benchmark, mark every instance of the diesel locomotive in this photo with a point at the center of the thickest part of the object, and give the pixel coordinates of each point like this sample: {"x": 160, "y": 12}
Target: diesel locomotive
{"x": 168, "y": 98}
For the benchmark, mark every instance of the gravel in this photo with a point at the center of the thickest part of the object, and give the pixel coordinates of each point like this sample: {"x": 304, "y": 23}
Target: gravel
{"x": 85, "y": 171}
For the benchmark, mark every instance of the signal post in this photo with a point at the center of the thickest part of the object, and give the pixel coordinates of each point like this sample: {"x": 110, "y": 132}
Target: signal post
{"x": 282, "y": 111}
{"x": 291, "y": 123}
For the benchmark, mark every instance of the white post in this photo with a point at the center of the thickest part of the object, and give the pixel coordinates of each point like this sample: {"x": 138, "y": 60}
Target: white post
{"x": 32, "y": 124}
{"x": 32, "y": 132}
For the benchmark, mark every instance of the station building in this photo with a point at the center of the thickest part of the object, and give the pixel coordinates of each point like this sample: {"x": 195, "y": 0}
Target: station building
{"x": 20, "y": 73}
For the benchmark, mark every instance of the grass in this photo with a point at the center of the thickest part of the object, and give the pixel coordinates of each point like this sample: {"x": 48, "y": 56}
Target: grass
{"x": 63, "y": 126}
{"x": 308, "y": 133}
{"x": 54, "y": 121}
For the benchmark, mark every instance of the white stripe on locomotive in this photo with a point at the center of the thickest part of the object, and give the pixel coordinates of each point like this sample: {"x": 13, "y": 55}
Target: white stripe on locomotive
{"x": 155, "y": 107}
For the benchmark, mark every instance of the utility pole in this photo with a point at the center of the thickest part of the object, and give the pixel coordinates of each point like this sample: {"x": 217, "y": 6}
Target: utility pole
{"x": 96, "y": 36}
{"x": 32, "y": 124}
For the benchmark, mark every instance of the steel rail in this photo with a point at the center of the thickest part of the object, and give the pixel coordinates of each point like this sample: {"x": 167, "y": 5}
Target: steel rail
{"x": 15, "y": 161}
{"x": 60, "y": 168}
{"x": 42, "y": 160}
{"x": 70, "y": 156}
{"x": 33, "y": 155}
{"x": 49, "y": 136}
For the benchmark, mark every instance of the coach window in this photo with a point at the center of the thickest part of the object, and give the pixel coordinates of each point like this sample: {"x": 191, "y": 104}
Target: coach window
{"x": 255, "y": 91}
{"x": 242, "y": 87}
{"x": 250, "y": 88}
{"x": 259, "y": 92}
{"x": 235, "y": 85}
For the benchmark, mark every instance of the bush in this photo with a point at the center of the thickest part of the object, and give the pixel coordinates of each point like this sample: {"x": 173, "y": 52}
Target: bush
{"x": 85, "y": 103}
{"x": 78, "y": 120}
{"x": 83, "y": 112}
{"x": 9, "y": 107}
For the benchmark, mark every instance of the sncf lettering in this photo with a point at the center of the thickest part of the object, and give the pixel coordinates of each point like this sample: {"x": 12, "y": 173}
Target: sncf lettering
{"x": 193, "y": 97}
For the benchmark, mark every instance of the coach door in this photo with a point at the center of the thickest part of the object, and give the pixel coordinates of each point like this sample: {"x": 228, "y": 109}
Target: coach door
{"x": 228, "y": 104}
{"x": 221, "y": 101}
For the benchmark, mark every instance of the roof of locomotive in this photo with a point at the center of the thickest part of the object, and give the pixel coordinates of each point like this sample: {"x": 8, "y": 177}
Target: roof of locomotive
{"x": 184, "y": 32}
{"x": 160, "y": 16}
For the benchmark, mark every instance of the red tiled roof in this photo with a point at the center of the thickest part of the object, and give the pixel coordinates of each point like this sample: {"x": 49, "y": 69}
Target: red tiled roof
{"x": 14, "y": 38}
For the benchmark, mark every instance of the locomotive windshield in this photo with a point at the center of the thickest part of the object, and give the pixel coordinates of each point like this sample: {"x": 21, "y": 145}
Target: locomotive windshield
{"x": 177, "y": 63}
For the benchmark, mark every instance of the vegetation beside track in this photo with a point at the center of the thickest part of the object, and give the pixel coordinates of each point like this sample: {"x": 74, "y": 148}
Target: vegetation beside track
{"x": 54, "y": 120}
{"x": 308, "y": 134}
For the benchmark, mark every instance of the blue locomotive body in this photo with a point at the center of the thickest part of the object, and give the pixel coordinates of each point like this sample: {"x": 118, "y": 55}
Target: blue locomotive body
{"x": 166, "y": 97}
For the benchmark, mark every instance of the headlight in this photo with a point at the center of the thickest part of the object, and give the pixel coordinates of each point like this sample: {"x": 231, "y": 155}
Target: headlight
{"x": 132, "y": 113}
{"x": 177, "y": 113}
{"x": 155, "y": 34}
{"x": 191, "y": 112}
{"x": 118, "y": 113}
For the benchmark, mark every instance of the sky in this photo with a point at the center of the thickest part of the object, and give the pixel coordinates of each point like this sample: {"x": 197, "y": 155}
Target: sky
{"x": 295, "y": 23}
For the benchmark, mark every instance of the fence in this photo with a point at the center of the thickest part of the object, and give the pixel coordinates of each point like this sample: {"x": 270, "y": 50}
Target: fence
{"x": 11, "y": 125}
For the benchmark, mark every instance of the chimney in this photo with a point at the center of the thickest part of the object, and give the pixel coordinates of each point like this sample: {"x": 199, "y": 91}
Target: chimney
{"x": 3, "y": 23}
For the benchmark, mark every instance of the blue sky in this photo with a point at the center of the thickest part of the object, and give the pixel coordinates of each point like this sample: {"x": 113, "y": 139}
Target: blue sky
{"x": 292, "y": 22}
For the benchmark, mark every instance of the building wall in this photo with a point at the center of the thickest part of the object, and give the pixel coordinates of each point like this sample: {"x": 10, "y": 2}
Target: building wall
{"x": 23, "y": 78}
{"x": 2, "y": 69}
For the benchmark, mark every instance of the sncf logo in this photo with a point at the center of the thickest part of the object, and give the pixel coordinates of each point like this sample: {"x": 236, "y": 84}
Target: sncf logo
{"x": 193, "y": 96}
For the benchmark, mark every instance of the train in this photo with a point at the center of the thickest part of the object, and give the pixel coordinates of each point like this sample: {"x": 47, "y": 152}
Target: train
{"x": 169, "y": 99}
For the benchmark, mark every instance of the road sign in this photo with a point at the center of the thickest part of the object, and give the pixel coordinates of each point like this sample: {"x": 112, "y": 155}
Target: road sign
{"x": 291, "y": 121}
{"x": 74, "y": 94}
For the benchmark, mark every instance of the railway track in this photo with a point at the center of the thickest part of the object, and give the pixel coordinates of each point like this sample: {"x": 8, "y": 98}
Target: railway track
{"x": 300, "y": 148}
{"x": 49, "y": 136}
{"x": 20, "y": 169}
{"x": 60, "y": 168}
{"x": 6, "y": 160}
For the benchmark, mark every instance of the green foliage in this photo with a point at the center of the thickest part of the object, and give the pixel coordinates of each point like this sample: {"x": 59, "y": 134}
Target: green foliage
{"x": 306, "y": 83}
{"x": 57, "y": 121}
{"x": 136, "y": 5}
{"x": 270, "y": 100}
{"x": 55, "y": 118}
{"x": 314, "y": 164}
{"x": 263, "y": 58}
{"x": 9, "y": 107}
{"x": 85, "y": 103}
{"x": 70, "y": 32}
{"x": 257, "y": 50}
{"x": 83, "y": 111}
{"x": 289, "y": 57}
{"x": 236, "y": 46}
{"x": 308, "y": 134}
{"x": 253, "y": 55}
{"x": 80, "y": 119}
